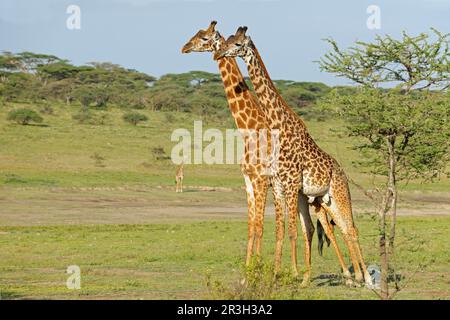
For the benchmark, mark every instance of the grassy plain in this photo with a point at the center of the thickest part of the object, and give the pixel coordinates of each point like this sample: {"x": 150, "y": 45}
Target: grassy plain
{"x": 95, "y": 196}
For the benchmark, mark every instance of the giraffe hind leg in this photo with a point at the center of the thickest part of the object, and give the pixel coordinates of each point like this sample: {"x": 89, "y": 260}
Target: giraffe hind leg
{"x": 340, "y": 211}
{"x": 327, "y": 228}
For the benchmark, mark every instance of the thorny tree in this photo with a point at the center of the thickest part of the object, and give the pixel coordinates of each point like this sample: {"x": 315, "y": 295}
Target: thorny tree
{"x": 400, "y": 112}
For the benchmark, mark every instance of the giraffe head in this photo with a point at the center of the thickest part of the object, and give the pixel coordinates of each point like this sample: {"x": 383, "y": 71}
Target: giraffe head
{"x": 204, "y": 40}
{"x": 237, "y": 45}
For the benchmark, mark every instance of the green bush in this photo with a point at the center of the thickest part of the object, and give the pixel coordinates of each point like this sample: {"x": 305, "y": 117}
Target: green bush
{"x": 83, "y": 117}
{"x": 24, "y": 116}
{"x": 87, "y": 117}
{"x": 46, "y": 109}
{"x": 159, "y": 153}
{"x": 134, "y": 118}
{"x": 170, "y": 117}
{"x": 260, "y": 283}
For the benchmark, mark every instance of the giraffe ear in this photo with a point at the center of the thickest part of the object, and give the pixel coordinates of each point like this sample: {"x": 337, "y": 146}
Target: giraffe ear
{"x": 212, "y": 25}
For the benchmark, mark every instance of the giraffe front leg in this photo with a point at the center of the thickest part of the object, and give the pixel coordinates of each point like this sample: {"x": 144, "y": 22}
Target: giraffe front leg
{"x": 308, "y": 232}
{"x": 280, "y": 212}
{"x": 251, "y": 218}
{"x": 292, "y": 200}
{"x": 260, "y": 192}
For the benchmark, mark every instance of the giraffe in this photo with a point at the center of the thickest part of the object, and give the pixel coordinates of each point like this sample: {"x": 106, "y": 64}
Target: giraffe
{"x": 301, "y": 166}
{"x": 248, "y": 116}
{"x": 179, "y": 178}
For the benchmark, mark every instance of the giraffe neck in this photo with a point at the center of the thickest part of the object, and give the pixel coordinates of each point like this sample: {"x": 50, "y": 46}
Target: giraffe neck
{"x": 243, "y": 105}
{"x": 276, "y": 109}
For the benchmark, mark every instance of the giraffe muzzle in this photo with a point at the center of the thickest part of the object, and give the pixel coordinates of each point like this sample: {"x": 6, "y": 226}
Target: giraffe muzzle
{"x": 187, "y": 48}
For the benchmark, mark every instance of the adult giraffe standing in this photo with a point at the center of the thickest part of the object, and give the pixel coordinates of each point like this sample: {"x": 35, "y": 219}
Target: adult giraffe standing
{"x": 248, "y": 117}
{"x": 301, "y": 166}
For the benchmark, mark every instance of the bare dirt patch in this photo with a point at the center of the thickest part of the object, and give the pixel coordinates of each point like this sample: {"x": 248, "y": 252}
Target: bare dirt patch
{"x": 28, "y": 206}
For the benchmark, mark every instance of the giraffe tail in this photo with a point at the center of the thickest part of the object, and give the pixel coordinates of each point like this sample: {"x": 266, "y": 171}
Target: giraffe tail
{"x": 321, "y": 235}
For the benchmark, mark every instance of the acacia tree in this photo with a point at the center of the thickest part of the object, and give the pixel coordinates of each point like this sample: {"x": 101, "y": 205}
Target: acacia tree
{"x": 411, "y": 63}
{"x": 404, "y": 130}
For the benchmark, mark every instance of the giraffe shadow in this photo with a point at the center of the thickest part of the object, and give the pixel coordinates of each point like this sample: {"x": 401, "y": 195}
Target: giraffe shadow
{"x": 190, "y": 190}
{"x": 41, "y": 125}
{"x": 329, "y": 280}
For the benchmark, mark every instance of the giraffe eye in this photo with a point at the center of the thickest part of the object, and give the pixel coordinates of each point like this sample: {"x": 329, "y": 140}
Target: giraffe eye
{"x": 238, "y": 44}
{"x": 205, "y": 39}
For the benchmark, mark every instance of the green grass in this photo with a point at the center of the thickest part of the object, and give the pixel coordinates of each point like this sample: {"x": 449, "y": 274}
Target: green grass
{"x": 61, "y": 152}
{"x": 173, "y": 261}
{"x": 65, "y": 172}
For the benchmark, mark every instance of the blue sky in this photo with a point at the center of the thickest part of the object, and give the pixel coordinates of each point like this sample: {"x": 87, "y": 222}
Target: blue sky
{"x": 147, "y": 34}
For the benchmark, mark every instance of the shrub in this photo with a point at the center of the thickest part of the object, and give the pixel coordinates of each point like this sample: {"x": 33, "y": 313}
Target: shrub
{"x": 46, "y": 109}
{"x": 134, "y": 118}
{"x": 159, "y": 153}
{"x": 24, "y": 116}
{"x": 260, "y": 283}
{"x": 83, "y": 117}
{"x": 98, "y": 160}
{"x": 87, "y": 117}
{"x": 170, "y": 117}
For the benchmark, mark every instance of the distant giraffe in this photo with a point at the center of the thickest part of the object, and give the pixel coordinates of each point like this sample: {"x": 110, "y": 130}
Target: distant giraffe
{"x": 179, "y": 178}
{"x": 304, "y": 169}
{"x": 248, "y": 116}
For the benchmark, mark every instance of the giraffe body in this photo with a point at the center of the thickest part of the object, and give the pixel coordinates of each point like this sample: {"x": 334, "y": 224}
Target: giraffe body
{"x": 305, "y": 173}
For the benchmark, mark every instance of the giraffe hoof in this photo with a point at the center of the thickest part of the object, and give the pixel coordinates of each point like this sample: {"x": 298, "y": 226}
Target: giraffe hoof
{"x": 306, "y": 281}
{"x": 359, "y": 278}
{"x": 347, "y": 274}
{"x": 352, "y": 283}
{"x": 369, "y": 283}
{"x": 349, "y": 283}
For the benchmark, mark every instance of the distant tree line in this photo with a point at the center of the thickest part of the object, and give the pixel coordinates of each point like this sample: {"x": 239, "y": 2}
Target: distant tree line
{"x": 37, "y": 78}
